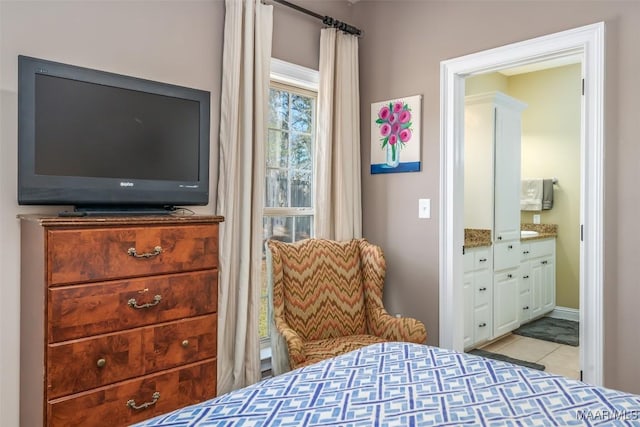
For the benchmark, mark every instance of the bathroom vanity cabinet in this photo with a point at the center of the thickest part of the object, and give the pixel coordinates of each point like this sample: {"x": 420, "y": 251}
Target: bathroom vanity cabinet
{"x": 537, "y": 282}
{"x": 478, "y": 295}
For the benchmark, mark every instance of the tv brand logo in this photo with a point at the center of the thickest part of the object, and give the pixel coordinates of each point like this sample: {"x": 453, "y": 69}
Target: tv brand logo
{"x": 126, "y": 184}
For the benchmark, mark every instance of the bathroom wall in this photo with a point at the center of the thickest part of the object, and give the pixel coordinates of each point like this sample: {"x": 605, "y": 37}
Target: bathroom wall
{"x": 550, "y": 148}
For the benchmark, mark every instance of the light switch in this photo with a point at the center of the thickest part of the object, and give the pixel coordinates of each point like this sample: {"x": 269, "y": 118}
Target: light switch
{"x": 424, "y": 208}
{"x": 536, "y": 218}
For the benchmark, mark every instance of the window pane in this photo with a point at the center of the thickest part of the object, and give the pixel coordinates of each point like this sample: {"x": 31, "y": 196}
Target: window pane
{"x": 278, "y": 109}
{"x": 301, "y": 190}
{"x": 303, "y": 226}
{"x": 301, "y": 113}
{"x": 301, "y": 151}
{"x": 277, "y": 152}
{"x": 276, "y": 189}
{"x": 278, "y": 228}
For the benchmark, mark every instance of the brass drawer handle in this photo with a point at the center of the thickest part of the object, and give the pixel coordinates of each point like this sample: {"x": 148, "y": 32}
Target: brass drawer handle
{"x": 134, "y": 253}
{"x": 132, "y": 403}
{"x": 134, "y": 304}
{"x": 101, "y": 363}
{"x": 185, "y": 343}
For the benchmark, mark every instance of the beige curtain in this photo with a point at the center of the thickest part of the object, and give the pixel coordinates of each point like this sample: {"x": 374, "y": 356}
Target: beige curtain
{"x": 338, "y": 195}
{"x": 243, "y": 115}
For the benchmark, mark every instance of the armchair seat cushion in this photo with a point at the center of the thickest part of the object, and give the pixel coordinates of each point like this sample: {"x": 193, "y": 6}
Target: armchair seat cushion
{"x": 321, "y": 349}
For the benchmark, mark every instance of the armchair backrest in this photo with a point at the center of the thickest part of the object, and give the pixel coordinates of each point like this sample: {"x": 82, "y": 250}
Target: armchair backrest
{"x": 318, "y": 287}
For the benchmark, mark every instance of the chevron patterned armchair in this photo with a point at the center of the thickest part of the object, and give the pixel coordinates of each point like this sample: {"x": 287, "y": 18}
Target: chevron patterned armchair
{"x": 327, "y": 299}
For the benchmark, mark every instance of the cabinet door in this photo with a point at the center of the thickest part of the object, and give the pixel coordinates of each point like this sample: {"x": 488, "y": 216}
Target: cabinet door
{"x": 537, "y": 288}
{"x": 478, "y": 174}
{"x": 507, "y": 175}
{"x": 505, "y": 302}
{"x": 548, "y": 284}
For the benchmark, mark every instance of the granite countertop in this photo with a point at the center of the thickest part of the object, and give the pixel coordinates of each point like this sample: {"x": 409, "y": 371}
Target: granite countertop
{"x": 474, "y": 237}
{"x": 546, "y": 231}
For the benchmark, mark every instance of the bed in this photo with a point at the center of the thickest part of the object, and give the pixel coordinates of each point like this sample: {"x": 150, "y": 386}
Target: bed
{"x": 402, "y": 384}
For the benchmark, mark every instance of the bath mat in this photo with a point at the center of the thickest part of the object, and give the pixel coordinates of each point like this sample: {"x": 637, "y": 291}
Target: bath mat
{"x": 504, "y": 358}
{"x": 549, "y": 329}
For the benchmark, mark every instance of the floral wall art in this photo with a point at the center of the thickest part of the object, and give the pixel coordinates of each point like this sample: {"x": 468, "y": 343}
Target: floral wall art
{"x": 395, "y": 135}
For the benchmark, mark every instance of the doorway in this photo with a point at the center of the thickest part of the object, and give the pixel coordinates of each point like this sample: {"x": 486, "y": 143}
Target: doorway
{"x": 587, "y": 41}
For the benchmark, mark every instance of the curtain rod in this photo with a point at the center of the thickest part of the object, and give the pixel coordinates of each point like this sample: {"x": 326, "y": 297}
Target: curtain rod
{"x": 326, "y": 20}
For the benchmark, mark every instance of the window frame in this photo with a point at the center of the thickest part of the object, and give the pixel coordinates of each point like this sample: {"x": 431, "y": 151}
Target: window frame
{"x": 302, "y": 81}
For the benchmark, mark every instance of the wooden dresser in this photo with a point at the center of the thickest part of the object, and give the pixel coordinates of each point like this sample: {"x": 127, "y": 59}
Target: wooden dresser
{"x": 118, "y": 317}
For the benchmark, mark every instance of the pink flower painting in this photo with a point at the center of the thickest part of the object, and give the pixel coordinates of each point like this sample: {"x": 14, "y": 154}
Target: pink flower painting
{"x": 395, "y": 135}
{"x": 394, "y": 121}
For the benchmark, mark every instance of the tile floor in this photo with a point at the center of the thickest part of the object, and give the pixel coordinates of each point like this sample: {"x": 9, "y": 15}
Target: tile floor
{"x": 557, "y": 358}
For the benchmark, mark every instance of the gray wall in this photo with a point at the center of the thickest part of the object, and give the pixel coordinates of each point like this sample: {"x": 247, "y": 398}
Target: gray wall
{"x": 296, "y": 36}
{"x": 401, "y": 56}
{"x": 181, "y": 42}
{"x": 178, "y": 42}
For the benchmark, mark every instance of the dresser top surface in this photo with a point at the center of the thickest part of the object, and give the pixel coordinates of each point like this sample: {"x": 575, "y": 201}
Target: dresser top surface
{"x": 57, "y": 221}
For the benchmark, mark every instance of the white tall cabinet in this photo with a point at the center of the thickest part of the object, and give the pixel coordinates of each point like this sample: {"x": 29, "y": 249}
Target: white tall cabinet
{"x": 492, "y": 195}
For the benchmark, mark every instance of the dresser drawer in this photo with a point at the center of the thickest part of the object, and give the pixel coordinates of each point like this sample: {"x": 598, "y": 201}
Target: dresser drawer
{"x": 111, "y": 406}
{"x": 83, "y": 310}
{"x": 180, "y": 342}
{"x": 83, "y": 364}
{"x": 79, "y": 365}
{"x": 113, "y": 253}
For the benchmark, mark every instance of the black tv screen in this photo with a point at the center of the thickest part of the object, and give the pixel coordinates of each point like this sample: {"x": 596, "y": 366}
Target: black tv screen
{"x": 93, "y": 138}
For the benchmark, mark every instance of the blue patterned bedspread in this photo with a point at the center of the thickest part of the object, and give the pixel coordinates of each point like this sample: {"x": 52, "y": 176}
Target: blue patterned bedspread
{"x": 400, "y": 384}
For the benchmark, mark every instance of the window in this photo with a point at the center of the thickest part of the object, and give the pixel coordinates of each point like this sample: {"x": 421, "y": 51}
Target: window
{"x": 288, "y": 211}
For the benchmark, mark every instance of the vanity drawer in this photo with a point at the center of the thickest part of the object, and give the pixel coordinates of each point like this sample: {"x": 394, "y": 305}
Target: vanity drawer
{"x": 111, "y": 405}
{"x": 83, "y": 310}
{"x": 483, "y": 326}
{"x": 542, "y": 248}
{"x": 482, "y": 258}
{"x": 83, "y": 364}
{"x": 506, "y": 255}
{"x": 84, "y": 255}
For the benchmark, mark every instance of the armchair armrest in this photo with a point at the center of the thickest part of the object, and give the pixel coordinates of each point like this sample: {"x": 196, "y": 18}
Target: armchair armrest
{"x": 397, "y": 328}
{"x": 294, "y": 343}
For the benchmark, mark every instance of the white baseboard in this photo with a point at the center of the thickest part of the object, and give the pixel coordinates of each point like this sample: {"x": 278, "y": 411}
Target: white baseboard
{"x": 565, "y": 313}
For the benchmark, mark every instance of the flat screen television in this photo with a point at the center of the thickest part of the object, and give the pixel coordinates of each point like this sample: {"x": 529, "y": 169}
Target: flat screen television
{"x": 105, "y": 141}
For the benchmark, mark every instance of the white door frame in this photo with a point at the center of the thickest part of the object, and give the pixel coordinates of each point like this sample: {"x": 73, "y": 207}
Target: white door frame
{"x": 589, "y": 42}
